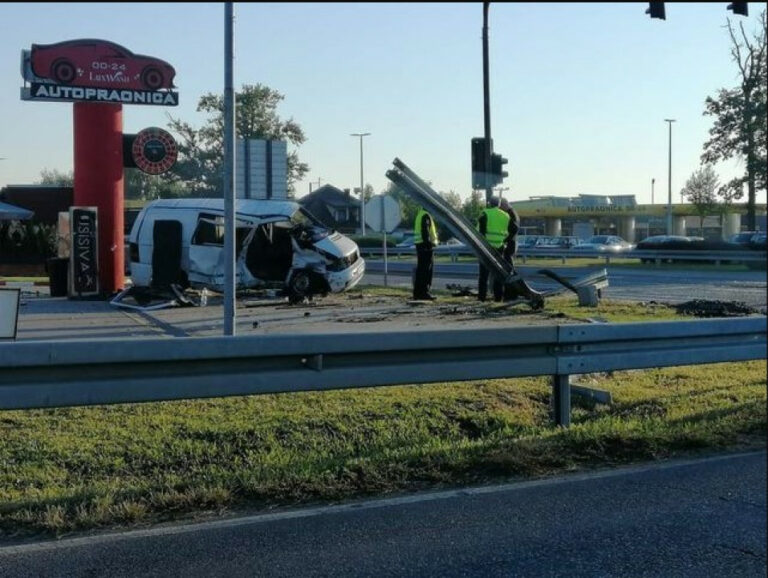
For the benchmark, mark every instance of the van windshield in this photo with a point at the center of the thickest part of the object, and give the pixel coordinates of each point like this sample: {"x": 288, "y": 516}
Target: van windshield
{"x": 309, "y": 225}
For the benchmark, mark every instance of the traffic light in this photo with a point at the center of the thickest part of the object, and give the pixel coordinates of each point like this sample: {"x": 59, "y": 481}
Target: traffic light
{"x": 739, "y": 8}
{"x": 478, "y": 162}
{"x": 656, "y": 10}
{"x": 497, "y": 174}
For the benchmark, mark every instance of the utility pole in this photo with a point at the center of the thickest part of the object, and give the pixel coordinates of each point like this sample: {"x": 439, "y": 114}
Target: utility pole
{"x": 487, "y": 107}
{"x": 653, "y": 182}
{"x": 229, "y": 173}
{"x": 669, "y": 200}
{"x": 362, "y": 191}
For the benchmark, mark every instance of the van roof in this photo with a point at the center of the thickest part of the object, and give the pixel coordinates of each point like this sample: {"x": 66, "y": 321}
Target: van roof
{"x": 250, "y": 207}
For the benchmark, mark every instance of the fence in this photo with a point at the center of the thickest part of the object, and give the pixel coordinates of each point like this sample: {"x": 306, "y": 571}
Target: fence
{"x": 44, "y": 374}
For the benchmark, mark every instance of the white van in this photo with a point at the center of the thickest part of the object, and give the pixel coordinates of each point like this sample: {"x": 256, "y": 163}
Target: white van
{"x": 278, "y": 244}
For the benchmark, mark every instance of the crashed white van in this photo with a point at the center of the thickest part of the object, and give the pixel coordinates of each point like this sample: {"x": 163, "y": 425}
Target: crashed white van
{"x": 278, "y": 244}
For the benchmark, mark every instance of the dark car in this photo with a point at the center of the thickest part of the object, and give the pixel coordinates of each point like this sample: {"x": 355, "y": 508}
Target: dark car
{"x": 744, "y": 238}
{"x": 665, "y": 242}
{"x": 758, "y": 241}
{"x": 100, "y": 64}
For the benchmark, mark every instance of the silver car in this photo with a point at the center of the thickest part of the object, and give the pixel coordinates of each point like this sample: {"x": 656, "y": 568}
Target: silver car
{"x": 604, "y": 244}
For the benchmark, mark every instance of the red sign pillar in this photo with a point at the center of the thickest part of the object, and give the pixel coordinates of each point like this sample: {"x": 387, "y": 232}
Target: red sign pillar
{"x": 98, "y": 136}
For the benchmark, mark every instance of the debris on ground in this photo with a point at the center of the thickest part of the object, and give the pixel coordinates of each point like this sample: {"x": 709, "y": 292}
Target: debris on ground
{"x": 461, "y": 290}
{"x": 706, "y": 308}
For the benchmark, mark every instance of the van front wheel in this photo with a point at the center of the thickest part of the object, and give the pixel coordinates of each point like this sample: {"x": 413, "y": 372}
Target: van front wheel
{"x": 299, "y": 287}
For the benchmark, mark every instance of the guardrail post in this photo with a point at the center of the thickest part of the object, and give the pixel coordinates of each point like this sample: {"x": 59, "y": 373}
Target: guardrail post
{"x": 561, "y": 399}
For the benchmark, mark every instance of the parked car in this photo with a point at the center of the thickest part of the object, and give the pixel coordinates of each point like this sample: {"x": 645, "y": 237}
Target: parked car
{"x": 604, "y": 244}
{"x": 743, "y": 238}
{"x": 100, "y": 64}
{"x": 758, "y": 241}
{"x": 671, "y": 243}
{"x": 532, "y": 241}
{"x": 450, "y": 246}
{"x": 556, "y": 243}
{"x": 668, "y": 242}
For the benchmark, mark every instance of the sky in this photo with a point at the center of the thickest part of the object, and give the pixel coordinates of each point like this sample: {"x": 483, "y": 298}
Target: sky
{"x": 578, "y": 91}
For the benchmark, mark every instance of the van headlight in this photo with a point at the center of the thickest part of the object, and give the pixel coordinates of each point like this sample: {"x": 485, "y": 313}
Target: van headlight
{"x": 336, "y": 264}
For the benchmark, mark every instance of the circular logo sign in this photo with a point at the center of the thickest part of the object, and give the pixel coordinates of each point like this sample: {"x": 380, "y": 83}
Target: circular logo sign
{"x": 154, "y": 150}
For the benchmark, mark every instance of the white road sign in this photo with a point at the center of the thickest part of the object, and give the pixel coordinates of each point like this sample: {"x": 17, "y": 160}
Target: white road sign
{"x": 382, "y": 213}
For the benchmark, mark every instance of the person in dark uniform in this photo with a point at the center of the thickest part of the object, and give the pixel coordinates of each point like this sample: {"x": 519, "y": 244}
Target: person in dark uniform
{"x": 510, "y": 247}
{"x": 425, "y": 239}
{"x": 492, "y": 224}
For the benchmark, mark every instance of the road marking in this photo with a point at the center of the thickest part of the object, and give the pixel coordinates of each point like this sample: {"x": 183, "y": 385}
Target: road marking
{"x": 187, "y": 527}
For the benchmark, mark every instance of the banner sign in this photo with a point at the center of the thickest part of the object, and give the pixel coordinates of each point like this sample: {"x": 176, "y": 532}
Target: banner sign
{"x": 62, "y": 93}
{"x": 84, "y": 273}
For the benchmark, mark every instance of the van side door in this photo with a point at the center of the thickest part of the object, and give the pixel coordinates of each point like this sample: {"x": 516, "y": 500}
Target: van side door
{"x": 206, "y": 250}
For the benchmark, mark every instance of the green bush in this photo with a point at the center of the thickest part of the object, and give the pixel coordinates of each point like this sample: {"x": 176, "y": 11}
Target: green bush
{"x": 26, "y": 242}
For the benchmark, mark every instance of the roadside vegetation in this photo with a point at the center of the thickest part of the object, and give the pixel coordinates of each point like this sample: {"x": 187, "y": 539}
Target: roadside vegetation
{"x": 71, "y": 469}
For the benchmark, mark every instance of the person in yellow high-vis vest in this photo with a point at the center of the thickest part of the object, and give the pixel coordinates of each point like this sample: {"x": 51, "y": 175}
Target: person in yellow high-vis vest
{"x": 493, "y": 224}
{"x": 425, "y": 239}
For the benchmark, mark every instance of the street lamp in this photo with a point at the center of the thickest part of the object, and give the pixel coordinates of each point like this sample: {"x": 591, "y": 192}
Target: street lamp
{"x": 362, "y": 195}
{"x": 669, "y": 201}
{"x": 653, "y": 182}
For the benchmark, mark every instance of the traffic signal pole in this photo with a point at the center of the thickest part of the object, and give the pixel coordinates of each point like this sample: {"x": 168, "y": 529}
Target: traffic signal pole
{"x": 487, "y": 107}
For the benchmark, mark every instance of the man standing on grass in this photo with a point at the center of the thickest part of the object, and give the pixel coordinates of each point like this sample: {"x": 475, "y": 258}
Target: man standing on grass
{"x": 425, "y": 239}
{"x": 492, "y": 224}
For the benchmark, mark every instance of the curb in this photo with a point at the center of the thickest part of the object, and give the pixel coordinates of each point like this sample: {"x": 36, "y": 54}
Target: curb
{"x": 23, "y": 284}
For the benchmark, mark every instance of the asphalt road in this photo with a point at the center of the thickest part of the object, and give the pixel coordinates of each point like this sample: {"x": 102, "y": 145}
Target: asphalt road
{"x": 646, "y": 284}
{"x": 694, "y": 518}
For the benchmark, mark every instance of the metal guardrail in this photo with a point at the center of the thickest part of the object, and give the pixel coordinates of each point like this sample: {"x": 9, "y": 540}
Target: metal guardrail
{"x": 563, "y": 254}
{"x": 45, "y": 374}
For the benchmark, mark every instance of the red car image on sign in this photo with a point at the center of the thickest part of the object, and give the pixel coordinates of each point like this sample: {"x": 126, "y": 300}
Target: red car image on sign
{"x": 100, "y": 64}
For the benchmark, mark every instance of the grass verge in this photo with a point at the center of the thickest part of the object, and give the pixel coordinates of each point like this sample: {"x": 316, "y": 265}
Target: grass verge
{"x": 73, "y": 469}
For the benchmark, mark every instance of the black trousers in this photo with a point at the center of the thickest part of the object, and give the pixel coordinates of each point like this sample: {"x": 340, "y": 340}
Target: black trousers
{"x": 482, "y": 285}
{"x": 422, "y": 281}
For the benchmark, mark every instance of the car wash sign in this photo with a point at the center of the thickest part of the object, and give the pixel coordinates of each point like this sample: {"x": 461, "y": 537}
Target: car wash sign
{"x": 84, "y": 256}
{"x": 95, "y": 71}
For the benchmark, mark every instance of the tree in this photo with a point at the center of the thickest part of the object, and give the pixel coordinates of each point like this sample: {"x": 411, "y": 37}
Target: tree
{"x": 137, "y": 185}
{"x": 201, "y": 159}
{"x": 56, "y": 178}
{"x": 452, "y": 198}
{"x": 473, "y": 206}
{"x": 740, "y": 115}
{"x": 701, "y": 190}
{"x": 142, "y": 186}
{"x": 368, "y": 192}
